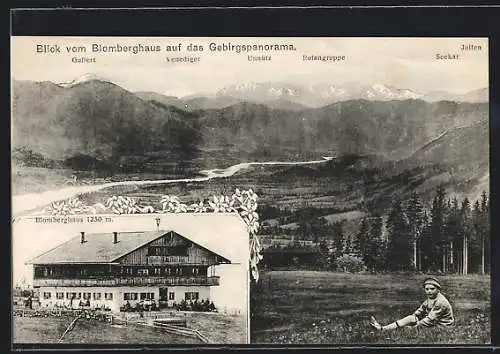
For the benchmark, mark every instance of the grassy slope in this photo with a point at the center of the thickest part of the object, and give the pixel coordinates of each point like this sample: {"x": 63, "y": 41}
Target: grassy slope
{"x": 49, "y": 330}
{"x": 322, "y": 307}
{"x": 220, "y": 328}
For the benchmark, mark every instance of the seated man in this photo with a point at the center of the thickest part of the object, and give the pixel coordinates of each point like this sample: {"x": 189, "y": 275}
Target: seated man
{"x": 436, "y": 310}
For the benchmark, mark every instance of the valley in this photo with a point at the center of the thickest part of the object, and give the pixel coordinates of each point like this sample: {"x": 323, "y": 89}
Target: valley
{"x": 96, "y": 139}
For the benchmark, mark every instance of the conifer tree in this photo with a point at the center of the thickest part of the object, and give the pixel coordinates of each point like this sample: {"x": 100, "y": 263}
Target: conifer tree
{"x": 399, "y": 247}
{"x": 416, "y": 223}
{"x": 438, "y": 239}
{"x": 374, "y": 256}
{"x": 452, "y": 232}
{"x": 485, "y": 240}
{"x": 479, "y": 235}
{"x": 465, "y": 231}
{"x": 359, "y": 241}
{"x": 338, "y": 238}
{"x": 323, "y": 252}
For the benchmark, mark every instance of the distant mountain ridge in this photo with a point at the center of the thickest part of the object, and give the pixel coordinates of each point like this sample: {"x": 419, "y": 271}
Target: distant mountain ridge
{"x": 296, "y": 97}
{"x": 191, "y": 103}
{"x": 323, "y": 94}
{"x": 283, "y": 95}
{"x": 480, "y": 95}
{"x": 316, "y": 95}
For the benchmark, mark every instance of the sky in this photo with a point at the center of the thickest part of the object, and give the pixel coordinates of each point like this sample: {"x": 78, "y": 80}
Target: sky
{"x": 408, "y": 63}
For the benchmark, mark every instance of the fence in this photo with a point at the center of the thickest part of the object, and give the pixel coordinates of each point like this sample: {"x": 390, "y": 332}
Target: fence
{"x": 183, "y": 331}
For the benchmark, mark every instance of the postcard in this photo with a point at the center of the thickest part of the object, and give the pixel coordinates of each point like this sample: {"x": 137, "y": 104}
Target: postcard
{"x": 250, "y": 190}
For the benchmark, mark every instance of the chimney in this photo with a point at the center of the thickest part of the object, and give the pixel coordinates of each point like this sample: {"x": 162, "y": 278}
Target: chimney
{"x": 115, "y": 237}
{"x": 82, "y": 238}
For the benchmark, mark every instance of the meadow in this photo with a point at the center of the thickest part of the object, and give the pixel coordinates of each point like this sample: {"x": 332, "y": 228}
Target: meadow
{"x": 309, "y": 307}
{"x": 218, "y": 327}
{"x": 49, "y": 329}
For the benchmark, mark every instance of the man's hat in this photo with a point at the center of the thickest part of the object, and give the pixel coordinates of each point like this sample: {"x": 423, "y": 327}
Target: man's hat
{"x": 432, "y": 281}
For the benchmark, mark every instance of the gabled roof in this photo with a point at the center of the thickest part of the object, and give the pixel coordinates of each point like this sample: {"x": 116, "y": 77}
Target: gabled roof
{"x": 218, "y": 233}
{"x": 97, "y": 248}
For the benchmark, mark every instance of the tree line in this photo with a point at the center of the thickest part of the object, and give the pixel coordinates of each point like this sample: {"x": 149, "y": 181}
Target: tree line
{"x": 449, "y": 236}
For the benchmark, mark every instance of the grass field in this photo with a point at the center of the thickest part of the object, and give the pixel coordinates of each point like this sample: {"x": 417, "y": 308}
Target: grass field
{"x": 219, "y": 328}
{"x": 307, "y": 307}
{"x": 49, "y": 330}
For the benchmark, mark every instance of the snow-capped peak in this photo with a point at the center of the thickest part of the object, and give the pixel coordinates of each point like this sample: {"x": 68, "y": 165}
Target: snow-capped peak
{"x": 383, "y": 91}
{"x": 317, "y": 94}
{"x": 82, "y": 79}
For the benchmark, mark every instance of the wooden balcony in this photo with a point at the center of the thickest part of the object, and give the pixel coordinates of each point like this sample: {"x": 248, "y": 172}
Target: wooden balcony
{"x": 132, "y": 281}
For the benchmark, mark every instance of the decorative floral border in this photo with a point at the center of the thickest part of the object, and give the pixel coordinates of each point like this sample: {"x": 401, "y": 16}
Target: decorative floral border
{"x": 242, "y": 202}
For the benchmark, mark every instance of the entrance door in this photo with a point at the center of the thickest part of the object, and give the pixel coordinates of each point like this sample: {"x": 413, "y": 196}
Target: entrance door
{"x": 163, "y": 300}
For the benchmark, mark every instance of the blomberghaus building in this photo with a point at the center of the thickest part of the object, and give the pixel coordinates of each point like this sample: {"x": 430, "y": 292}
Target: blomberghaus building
{"x": 107, "y": 270}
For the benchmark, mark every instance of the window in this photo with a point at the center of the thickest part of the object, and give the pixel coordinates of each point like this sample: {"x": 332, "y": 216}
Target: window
{"x": 97, "y": 296}
{"x": 168, "y": 270}
{"x": 195, "y": 270}
{"x": 108, "y": 296}
{"x": 143, "y": 271}
{"x": 157, "y": 271}
{"x": 155, "y": 251}
{"x": 171, "y": 296}
{"x": 59, "y": 296}
{"x": 147, "y": 296}
{"x": 127, "y": 270}
{"x": 130, "y": 296}
{"x": 192, "y": 295}
{"x": 46, "y": 296}
{"x": 86, "y": 296}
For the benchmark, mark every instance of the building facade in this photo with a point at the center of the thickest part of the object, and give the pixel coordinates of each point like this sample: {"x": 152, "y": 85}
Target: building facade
{"x": 112, "y": 269}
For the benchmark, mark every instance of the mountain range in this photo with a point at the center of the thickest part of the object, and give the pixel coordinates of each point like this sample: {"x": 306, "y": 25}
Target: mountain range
{"x": 294, "y": 97}
{"x": 323, "y": 94}
{"x": 112, "y": 127}
{"x": 282, "y": 95}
